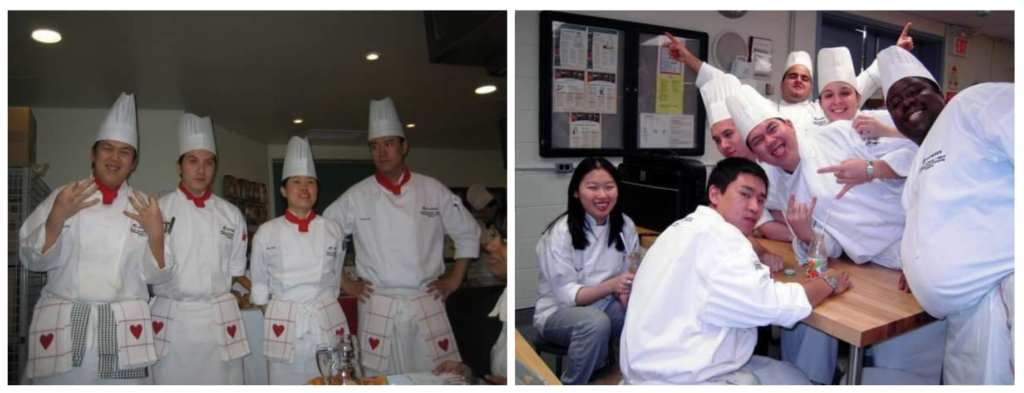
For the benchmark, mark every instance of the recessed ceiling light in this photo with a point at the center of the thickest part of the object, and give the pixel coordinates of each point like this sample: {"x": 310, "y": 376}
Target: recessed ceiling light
{"x": 372, "y": 56}
{"x": 488, "y": 89}
{"x": 46, "y": 36}
{"x": 410, "y": 125}
{"x": 297, "y": 121}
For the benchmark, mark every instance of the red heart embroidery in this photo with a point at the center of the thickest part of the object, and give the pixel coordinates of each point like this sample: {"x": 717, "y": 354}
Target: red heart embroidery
{"x": 374, "y": 343}
{"x": 443, "y": 344}
{"x": 46, "y": 339}
{"x": 231, "y": 331}
{"x": 157, "y": 327}
{"x": 136, "y": 330}
{"x": 278, "y": 329}
{"x": 340, "y": 331}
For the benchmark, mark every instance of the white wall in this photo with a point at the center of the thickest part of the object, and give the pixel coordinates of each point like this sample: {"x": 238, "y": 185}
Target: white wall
{"x": 453, "y": 168}
{"x": 65, "y": 137}
{"x": 541, "y": 192}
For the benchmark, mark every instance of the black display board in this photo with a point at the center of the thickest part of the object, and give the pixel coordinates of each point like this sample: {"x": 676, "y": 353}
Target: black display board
{"x": 607, "y": 88}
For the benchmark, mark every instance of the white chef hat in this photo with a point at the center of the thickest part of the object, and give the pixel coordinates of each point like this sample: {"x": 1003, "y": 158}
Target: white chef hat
{"x": 714, "y": 94}
{"x": 298, "y": 159}
{"x": 835, "y": 65}
{"x": 384, "y": 120}
{"x": 195, "y": 133}
{"x": 478, "y": 196}
{"x": 895, "y": 63}
{"x": 120, "y": 124}
{"x": 799, "y": 58}
{"x": 748, "y": 109}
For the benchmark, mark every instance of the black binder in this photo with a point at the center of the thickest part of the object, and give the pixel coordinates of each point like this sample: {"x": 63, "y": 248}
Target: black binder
{"x": 659, "y": 189}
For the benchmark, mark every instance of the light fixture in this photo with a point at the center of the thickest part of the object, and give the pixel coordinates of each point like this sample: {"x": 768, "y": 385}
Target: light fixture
{"x": 297, "y": 121}
{"x": 410, "y": 125}
{"x": 372, "y": 56}
{"x": 486, "y": 89}
{"x": 46, "y": 36}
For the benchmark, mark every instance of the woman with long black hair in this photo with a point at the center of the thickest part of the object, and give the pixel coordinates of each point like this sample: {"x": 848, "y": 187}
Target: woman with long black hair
{"x": 584, "y": 276}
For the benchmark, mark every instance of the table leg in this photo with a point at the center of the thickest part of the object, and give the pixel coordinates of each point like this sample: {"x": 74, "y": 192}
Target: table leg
{"x": 856, "y": 365}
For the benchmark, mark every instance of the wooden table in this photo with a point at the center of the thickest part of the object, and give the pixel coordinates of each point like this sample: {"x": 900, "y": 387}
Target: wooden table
{"x": 529, "y": 358}
{"x": 871, "y": 311}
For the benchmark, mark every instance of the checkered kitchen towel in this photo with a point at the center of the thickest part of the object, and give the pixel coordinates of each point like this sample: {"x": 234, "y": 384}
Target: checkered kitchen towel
{"x": 162, "y": 308}
{"x": 134, "y": 334}
{"x": 435, "y": 330}
{"x": 279, "y": 331}
{"x": 330, "y": 317}
{"x": 234, "y": 343}
{"x": 49, "y": 345}
{"x": 376, "y": 322}
{"x": 108, "y": 339}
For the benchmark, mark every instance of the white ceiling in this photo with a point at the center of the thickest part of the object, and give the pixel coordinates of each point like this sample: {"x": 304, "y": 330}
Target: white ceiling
{"x": 997, "y": 24}
{"x": 253, "y": 72}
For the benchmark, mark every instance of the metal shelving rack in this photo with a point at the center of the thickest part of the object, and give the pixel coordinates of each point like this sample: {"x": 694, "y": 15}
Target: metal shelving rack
{"x": 25, "y": 191}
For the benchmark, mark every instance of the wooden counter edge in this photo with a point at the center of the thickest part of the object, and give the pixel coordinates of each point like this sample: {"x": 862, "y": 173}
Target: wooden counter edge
{"x": 529, "y": 358}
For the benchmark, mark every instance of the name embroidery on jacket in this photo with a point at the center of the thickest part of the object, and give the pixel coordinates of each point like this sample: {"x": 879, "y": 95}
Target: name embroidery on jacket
{"x": 332, "y": 251}
{"x": 138, "y": 230}
{"x": 430, "y": 212}
{"x": 932, "y": 160}
{"x": 227, "y": 232}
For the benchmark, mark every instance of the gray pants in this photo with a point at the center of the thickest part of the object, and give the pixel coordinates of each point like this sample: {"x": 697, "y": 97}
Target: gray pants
{"x": 587, "y": 331}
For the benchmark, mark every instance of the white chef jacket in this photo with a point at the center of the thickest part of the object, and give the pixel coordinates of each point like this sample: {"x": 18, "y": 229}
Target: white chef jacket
{"x": 207, "y": 244}
{"x": 399, "y": 239}
{"x": 564, "y": 269}
{"x": 297, "y": 267}
{"x": 499, "y": 352}
{"x": 868, "y": 221}
{"x": 959, "y": 242}
{"x": 101, "y": 255}
{"x": 696, "y": 305}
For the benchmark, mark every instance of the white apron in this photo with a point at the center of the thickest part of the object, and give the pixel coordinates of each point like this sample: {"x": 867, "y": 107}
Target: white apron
{"x": 195, "y": 347}
{"x": 404, "y": 331}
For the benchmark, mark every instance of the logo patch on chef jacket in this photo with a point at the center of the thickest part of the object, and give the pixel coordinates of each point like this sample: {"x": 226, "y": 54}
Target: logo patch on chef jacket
{"x": 137, "y": 229}
{"x": 871, "y": 142}
{"x": 227, "y": 232}
{"x": 932, "y": 160}
{"x": 430, "y": 212}
{"x": 820, "y": 121}
{"x": 332, "y": 251}
{"x": 757, "y": 264}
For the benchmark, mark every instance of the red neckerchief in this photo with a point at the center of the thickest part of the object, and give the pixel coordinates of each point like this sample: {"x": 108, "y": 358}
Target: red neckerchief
{"x": 109, "y": 194}
{"x": 303, "y": 224}
{"x": 395, "y": 189}
{"x": 199, "y": 201}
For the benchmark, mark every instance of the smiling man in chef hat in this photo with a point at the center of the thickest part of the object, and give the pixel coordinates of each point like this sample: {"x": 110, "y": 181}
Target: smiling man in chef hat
{"x": 399, "y": 219}
{"x": 100, "y": 250}
{"x": 866, "y": 225}
{"x": 958, "y": 247}
{"x": 200, "y": 338}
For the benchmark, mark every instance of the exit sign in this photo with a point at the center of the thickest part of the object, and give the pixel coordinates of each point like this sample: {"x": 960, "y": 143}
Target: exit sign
{"x": 960, "y": 46}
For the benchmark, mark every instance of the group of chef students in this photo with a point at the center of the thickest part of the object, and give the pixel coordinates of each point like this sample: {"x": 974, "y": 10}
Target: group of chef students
{"x": 923, "y": 186}
{"x": 96, "y": 324}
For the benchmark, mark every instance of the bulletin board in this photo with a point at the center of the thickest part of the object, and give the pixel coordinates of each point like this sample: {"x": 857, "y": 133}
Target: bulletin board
{"x": 583, "y": 67}
{"x": 607, "y": 89}
{"x": 670, "y": 112}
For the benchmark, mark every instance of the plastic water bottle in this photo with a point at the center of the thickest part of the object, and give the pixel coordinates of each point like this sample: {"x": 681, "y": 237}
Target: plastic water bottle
{"x": 817, "y": 257}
